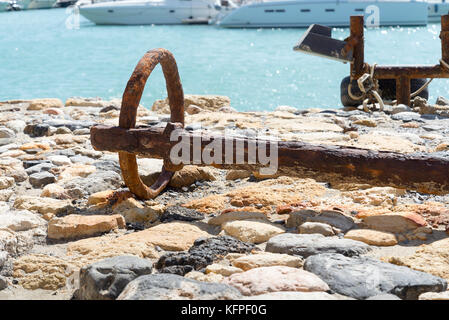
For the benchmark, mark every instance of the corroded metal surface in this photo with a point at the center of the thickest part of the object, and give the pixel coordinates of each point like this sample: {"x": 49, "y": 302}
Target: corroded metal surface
{"x": 130, "y": 102}
{"x": 324, "y": 163}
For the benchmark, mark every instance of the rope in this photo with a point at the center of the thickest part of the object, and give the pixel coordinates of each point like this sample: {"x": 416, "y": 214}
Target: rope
{"x": 373, "y": 91}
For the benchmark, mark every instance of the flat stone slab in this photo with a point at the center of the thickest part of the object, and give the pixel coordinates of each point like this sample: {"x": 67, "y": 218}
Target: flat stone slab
{"x": 174, "y": 287}
{"x": 306, "y": 245}
{"x": 362, "y": 277}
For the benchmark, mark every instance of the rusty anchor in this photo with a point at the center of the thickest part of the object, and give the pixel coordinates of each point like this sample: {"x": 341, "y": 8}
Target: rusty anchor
{"x": 419, "y": 172}
{"x": 318, "y": 41}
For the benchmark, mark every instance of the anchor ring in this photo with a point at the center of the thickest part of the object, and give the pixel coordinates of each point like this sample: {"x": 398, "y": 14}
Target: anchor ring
{"x": 128, "y": 113}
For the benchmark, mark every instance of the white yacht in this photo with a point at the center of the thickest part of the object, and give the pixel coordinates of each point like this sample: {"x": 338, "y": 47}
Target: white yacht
{"x": 141, "y": 12}
{"x": 437, "y": 9}
{"x": 334, "y": 13}
{"x": 35, "y": 4}
{"x": 4, "y": 6}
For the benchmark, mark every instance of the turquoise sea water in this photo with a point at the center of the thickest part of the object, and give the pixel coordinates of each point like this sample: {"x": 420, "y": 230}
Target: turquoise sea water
{"x": 256, "y": 68}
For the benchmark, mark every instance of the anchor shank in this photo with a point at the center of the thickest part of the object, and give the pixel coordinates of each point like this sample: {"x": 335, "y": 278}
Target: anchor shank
{"x": 323, "y": 163}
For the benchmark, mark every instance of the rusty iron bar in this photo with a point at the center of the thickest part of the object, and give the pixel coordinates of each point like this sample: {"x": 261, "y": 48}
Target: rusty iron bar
{"x": 402, "y": 74}
{"x": 419, "y": 172}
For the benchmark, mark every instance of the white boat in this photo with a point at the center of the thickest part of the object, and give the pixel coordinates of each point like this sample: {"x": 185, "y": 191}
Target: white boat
{"x": 4, "y": 5}
{"x": 35, "y": 4}
{"x": 140, "y": 12}
{"x": 334, "y": 13}
{"x": 437, "y": 9}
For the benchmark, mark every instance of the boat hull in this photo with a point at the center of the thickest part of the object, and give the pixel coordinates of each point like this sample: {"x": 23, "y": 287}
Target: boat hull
{"x": 110, "y": 13}
{"x": 329, "y": 13}
{"x": 436, "y": 10}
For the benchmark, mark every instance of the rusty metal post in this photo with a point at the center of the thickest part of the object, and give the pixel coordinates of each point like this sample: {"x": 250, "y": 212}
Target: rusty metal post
{"x": 444, "y": 36}
{"x": 403, "y": 90}
{"x": 357, "y": 66}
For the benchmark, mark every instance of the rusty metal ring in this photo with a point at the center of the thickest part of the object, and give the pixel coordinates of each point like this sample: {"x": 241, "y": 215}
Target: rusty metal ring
{"x": 130, "y": 102}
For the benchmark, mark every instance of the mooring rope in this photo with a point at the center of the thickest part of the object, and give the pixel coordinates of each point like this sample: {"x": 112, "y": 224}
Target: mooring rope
{"x": 374, "y": 90}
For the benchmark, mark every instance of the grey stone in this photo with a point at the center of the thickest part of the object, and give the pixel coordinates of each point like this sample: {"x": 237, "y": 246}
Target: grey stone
{"x": 108, "y": 165}
{"x": 95, "y": 182}
{"x": 407, "y": 117}
{"x": 363, "y": 277}
{"x": 442, "y": 101}
{"x": 31, "y": 163}
{"x": 400, "y": 108}
{"x": 180, "y": 213}
{"x": 297, "y": 295}
{"x": 16, "y": 125}
{"x": 21, "y": 220}
{"x": 6, "y": 136}
{"x": 3, "y": 283}
{"x": 432, "y": 127}
{"x": 3, "y": 258}
{"x": 82, "y": 159}
{"x": 40, "y": 179}
{"x": 41, "y": 167}
{"x": 6, "y": 133}
{"x": 334, "y": 218}
{"x": 105, "y": 279}
{"x": 306, "y": 245}
{"x": 174, "y": 287}
{"x": 204, "y": 252}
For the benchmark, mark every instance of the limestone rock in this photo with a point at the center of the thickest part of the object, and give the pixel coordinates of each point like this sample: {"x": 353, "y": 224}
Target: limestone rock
{"x": 372, "y": 237}
{"x": 205, "y": 102}
{"x": 394, "y": 222}
{"x": 253, "y": 231}
{"x": 432, "y": 258}
{"x": 134, "y": 211}
{"x": 236, "y": 215}
{"x": 76, "y": 226}
{"x": 40, "y": 104}
{"x": 222, "y": 269}
{"x": 277, "y": 278}
{"x": 38, "y": 271}
{"x": 237, "y": 174}
{"x": 173, "y": 236}
{"x": 6, "y": 182}
{"x": 45, "y": 206}
{"x": 316, "y": 227}
{"x": 267, "y": 260}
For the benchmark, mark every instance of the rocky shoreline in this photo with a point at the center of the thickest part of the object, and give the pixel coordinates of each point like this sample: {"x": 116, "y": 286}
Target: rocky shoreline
{"x": 70, "y": 229}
